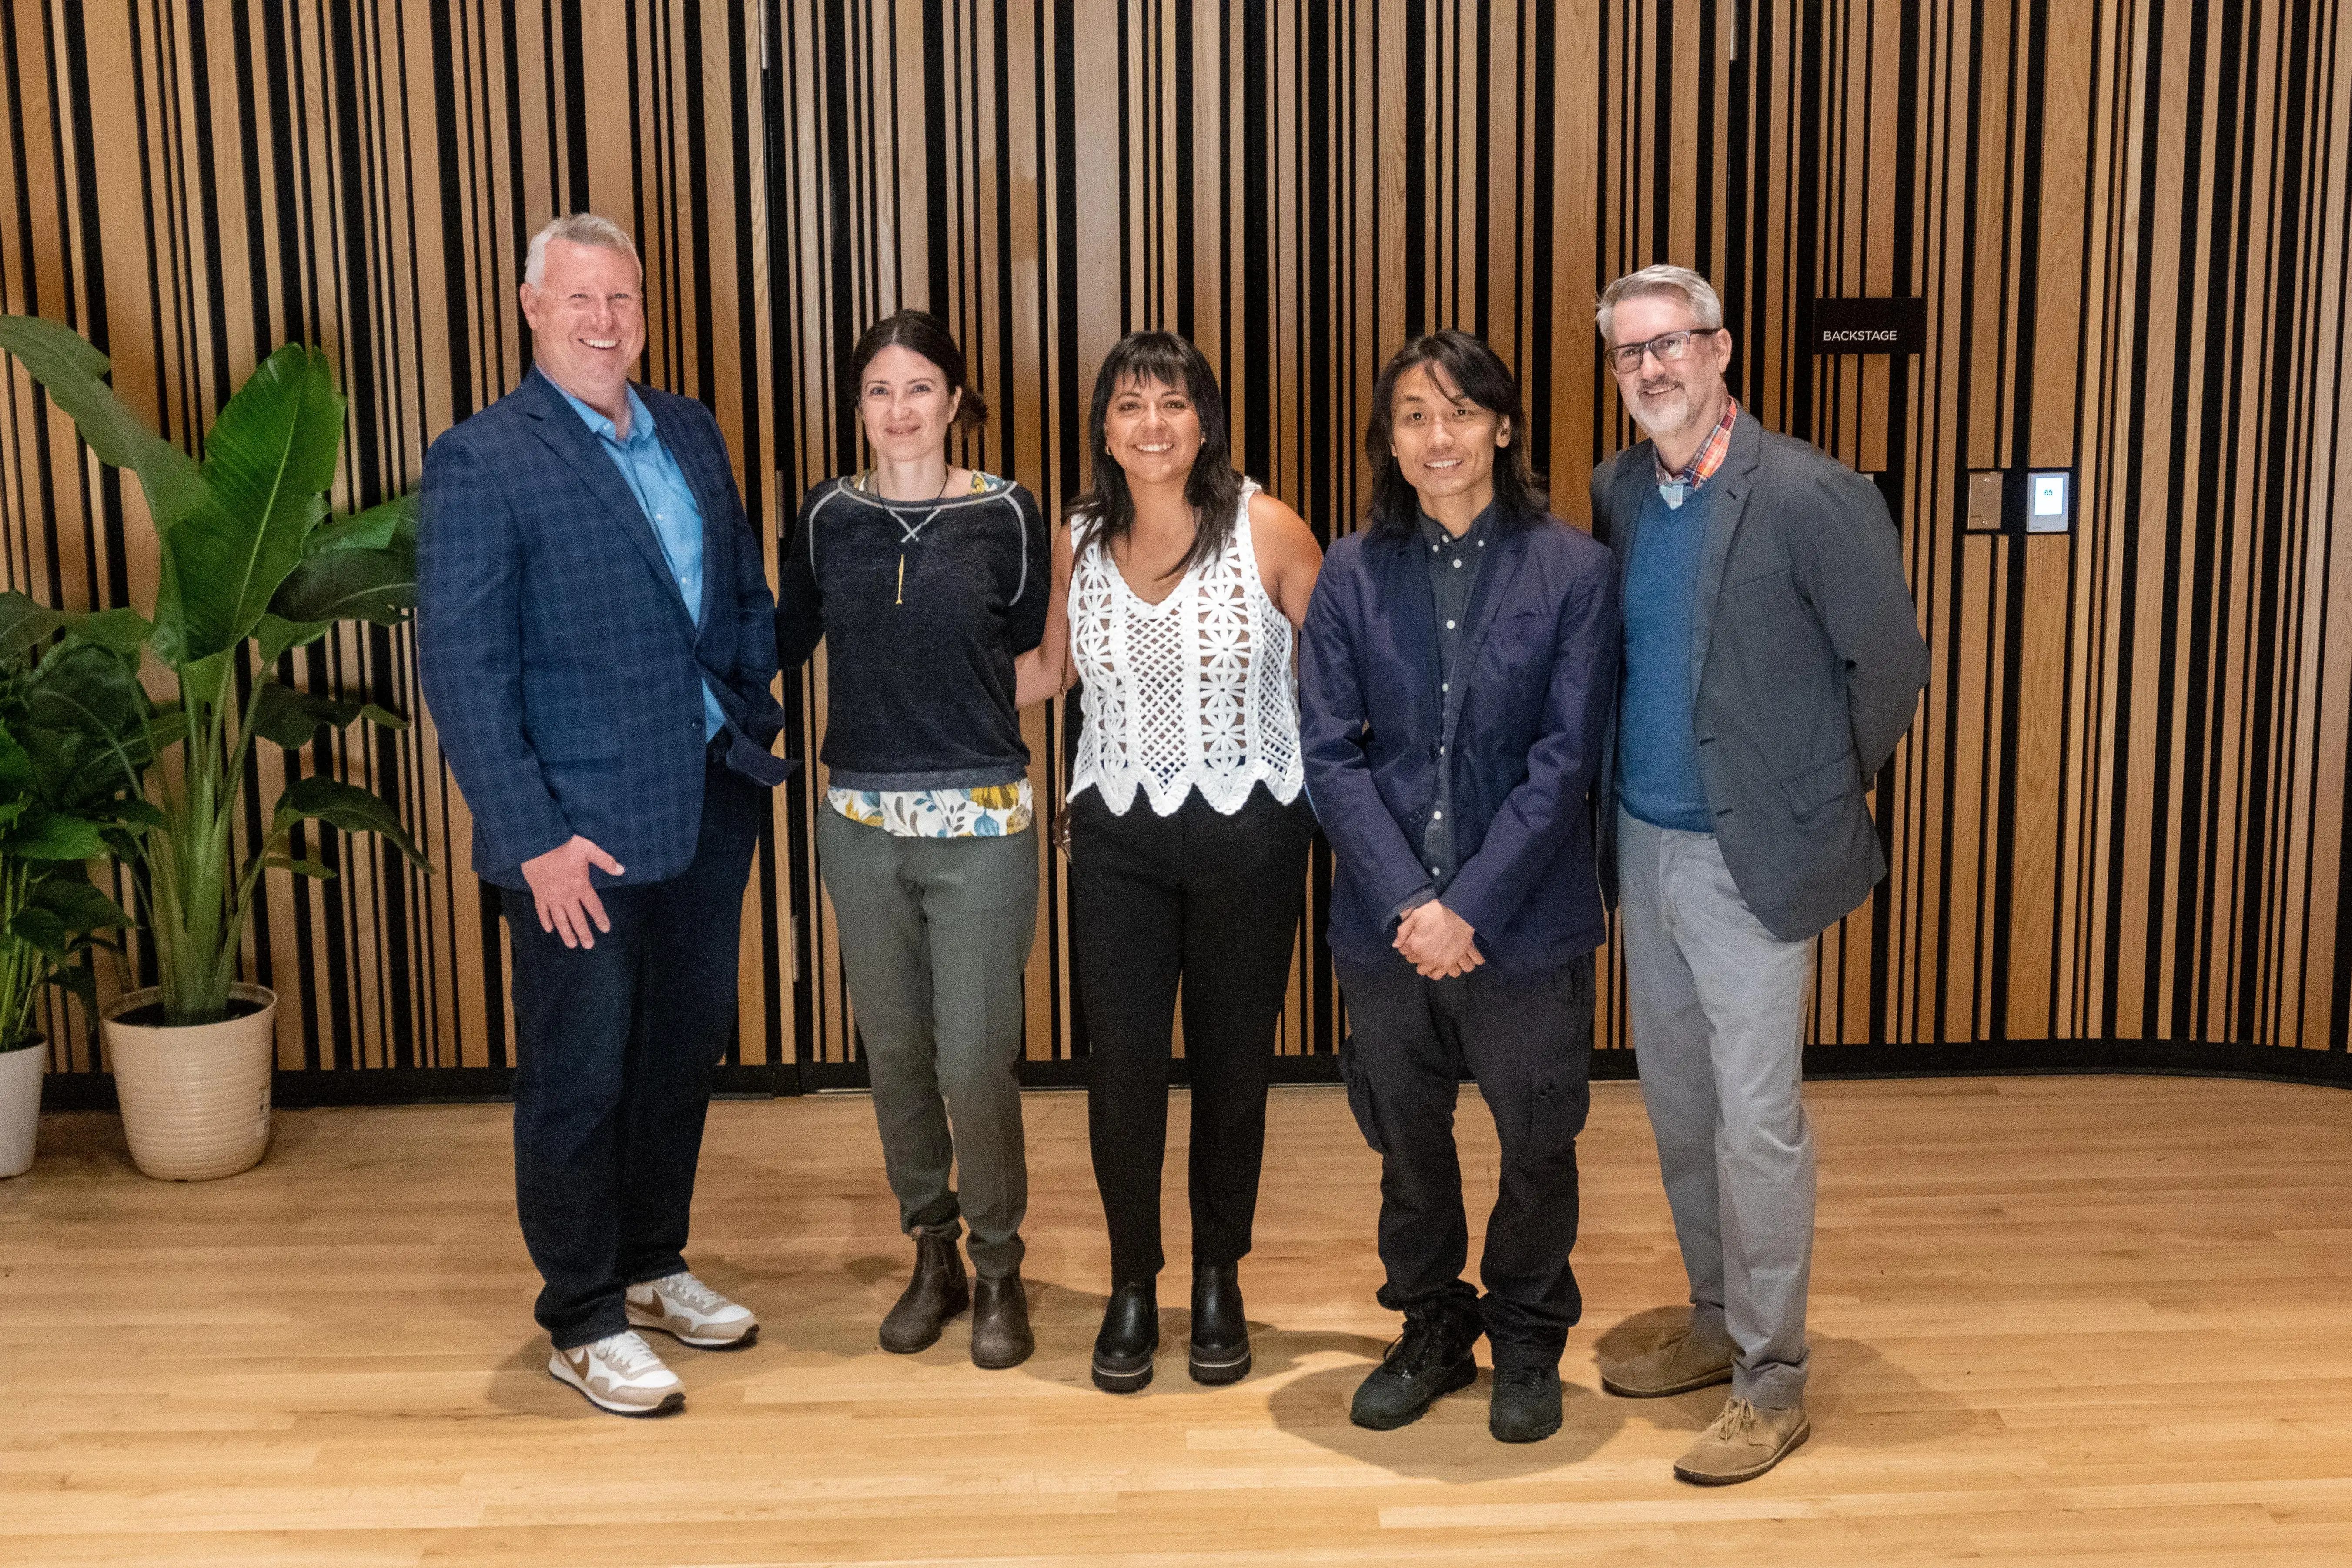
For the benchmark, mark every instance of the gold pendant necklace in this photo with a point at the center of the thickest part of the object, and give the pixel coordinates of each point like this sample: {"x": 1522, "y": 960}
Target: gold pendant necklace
{"x": 912, "y": 533}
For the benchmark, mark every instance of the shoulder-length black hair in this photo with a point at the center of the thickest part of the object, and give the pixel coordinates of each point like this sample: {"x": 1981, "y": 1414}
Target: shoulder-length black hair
{"x": 922, "y": 332}
{"x": 1464, "y": 367}
{"x": 1212, "y": 489}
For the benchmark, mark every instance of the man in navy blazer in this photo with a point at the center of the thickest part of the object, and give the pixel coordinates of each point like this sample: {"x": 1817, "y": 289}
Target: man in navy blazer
{"x": 594, "y": 632}
{"x": 1458, "y": 664}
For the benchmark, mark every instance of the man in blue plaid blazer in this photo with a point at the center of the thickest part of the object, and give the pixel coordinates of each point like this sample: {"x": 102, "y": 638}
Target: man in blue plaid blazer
{"x": 595, "y": 636}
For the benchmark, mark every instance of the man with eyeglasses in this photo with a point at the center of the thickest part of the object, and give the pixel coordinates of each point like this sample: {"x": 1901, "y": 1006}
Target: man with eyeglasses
{"x": 1772, "y": 660}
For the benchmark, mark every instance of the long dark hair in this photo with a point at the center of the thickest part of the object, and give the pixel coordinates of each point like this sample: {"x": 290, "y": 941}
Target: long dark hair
{"x": 1464, "y": 367}
{"x": 922, "y": 332}
{"x": 1212, "y": 489}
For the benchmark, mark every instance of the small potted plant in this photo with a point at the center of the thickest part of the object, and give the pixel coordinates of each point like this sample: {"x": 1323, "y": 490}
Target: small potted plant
{"x": 72, "y": 739}
{"x": 252, "y": 568}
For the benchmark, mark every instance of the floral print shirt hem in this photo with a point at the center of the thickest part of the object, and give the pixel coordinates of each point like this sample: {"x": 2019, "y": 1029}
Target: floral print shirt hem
{"x": 984, "y": 811}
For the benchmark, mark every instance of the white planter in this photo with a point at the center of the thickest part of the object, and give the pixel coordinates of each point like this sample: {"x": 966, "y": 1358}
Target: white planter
{"x": 196, "y": 1097}
{"x": 20, "y": 1105}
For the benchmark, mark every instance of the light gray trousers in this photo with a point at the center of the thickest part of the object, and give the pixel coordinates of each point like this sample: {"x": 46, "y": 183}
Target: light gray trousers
{"x": 1719, "y": 1008}
{"x": 935, "y": 933}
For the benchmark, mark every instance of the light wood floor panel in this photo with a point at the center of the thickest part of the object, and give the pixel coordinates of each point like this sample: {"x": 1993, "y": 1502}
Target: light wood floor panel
{"x": 2092, "y": 1321}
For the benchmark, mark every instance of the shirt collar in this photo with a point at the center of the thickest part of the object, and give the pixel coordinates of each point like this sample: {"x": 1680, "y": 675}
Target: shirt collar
{"x": 641, "y": 419}
{"x": 1710, "y": 456}
{"x": 1434, "y": 532}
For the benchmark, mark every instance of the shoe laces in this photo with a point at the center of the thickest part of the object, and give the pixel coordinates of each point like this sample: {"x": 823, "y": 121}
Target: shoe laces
{"x": 1737, "y": 1419}
{"x": 625, "y": 1352}
{"x": 690, "y": 1293}
{"x": 1531, "y": 1377}
{"x": 1421, "y": 1350}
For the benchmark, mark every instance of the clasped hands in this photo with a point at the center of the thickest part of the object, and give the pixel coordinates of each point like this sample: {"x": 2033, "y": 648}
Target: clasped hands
{"x": 1438, "y": 943}
{"x": 567, "y": 901}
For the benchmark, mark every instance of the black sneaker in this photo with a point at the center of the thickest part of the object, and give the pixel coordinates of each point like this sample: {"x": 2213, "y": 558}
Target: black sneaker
{"x": 1525, "y": 1405}
{"x": 1431, "y": 1359}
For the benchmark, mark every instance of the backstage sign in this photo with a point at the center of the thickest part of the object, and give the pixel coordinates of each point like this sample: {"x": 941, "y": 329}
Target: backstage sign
{"x": 1883, "y": 326}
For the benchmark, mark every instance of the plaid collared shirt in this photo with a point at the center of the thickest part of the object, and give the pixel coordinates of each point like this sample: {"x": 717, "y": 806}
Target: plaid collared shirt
{"x": 1678, "y": 488}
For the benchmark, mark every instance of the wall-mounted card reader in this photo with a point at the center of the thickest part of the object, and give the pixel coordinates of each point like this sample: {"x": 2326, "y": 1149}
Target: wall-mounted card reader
{"x": 2018, "y": 501}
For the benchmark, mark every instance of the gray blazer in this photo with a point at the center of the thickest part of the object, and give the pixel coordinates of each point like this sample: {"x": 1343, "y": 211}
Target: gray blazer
{"x": 1810, "y": 665}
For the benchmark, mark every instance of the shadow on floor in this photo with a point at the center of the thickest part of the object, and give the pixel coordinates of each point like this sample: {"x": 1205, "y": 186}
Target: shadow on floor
{"x": 1855, "y": 1396}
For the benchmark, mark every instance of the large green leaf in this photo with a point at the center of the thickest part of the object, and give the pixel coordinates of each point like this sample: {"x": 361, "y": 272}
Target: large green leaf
{"x": 73, "y": 374}
{"x": 87, "y": 722}
{"x": 377, "y": 586}
{"x": 121, "y": 632}
{"x": 16, "y": 774}
{"x": 380, "y": 527}
{"x": 64, "y": 909}
{"x": 24, "y": 625}
{"x": 291, "y": 718}
{"x": 267, "y": 459}
{"x": 351, "y": 808}
{"x": 53, "y": 836}
{"x": 357, "y": 568}
{"x": 279, "y": 636}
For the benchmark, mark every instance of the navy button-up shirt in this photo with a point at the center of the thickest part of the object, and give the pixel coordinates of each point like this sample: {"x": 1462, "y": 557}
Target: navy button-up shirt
{"x": 1453, "y": 567}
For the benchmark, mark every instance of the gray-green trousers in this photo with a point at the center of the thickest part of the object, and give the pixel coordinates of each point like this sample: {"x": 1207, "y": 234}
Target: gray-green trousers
{"x": 935, "y": 933}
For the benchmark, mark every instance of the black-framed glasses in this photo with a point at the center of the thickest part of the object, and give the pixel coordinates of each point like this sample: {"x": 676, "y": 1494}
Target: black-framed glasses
{"x": 1626, "y": 358}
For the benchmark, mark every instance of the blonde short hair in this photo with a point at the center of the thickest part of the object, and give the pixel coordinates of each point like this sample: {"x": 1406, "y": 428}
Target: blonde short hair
{"x": 580, "y": 229}
{"x": 1697, "y": 295}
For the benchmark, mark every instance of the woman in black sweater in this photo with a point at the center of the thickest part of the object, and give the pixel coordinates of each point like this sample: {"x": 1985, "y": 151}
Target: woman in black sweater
{"x": 925, "y": 580}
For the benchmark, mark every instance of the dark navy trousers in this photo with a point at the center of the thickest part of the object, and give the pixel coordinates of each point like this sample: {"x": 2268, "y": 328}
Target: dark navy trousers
{"x": 614, "y": 1049}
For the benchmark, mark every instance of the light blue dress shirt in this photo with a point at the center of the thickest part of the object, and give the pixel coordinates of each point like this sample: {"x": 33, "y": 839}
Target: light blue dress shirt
{"x": 654, "y": 477}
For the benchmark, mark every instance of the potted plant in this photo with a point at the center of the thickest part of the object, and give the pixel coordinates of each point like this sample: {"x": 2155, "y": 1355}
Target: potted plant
{"x": 72, "y": 747}
{"x": 252, "y": 568}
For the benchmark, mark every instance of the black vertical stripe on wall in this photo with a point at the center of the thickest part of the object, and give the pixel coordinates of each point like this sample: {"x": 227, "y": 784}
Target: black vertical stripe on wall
{"x": 1257, "y": 225}
{"x": 1416, "y": 217}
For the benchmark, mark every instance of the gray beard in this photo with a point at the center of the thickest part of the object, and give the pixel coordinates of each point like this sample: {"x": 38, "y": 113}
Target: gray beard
{"x": 1690, "y": 413}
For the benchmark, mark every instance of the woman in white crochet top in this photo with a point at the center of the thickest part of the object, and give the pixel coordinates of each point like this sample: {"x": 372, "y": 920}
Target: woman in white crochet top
{"x": 1180, "y": 585}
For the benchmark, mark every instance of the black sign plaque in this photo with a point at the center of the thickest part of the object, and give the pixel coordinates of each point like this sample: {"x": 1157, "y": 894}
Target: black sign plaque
{"x": 1882, "y": 326}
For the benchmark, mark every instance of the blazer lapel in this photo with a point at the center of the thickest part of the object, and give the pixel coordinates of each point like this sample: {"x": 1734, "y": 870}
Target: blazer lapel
{"x": 1494, "y": 585}
{"x": 1412, "y": 609}
{"x": 565, "y": 431}
{"x": 707, "y": 475}
{"x": 1738, "y": 477}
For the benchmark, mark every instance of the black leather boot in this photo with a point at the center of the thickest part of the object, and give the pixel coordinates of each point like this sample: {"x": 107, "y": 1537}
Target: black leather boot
{"x": 1000, "y": 1322}
{"x": 1431, "y": 1359}
{"x": 1130, "y": 1333}
{"x": 938, "y": 1291}
{"x": 1221, "y": 1347}
{"x": 1524, "y": 1406}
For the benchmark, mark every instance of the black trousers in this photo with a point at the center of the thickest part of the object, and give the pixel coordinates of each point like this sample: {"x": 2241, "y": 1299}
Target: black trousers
{"x": 614, "y": 1049}
{"x": 1212, "y": 901}
{"x": 1526, "y": 1038}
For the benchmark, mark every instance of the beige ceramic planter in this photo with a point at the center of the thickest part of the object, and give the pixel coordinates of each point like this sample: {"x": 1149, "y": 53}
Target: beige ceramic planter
{"x": 196, "y": 1097}
{"x": 20, "y": 1105}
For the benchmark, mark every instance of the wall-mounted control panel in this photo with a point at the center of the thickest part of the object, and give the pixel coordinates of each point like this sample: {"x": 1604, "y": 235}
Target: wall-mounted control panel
{"x": 2020, "y": 501}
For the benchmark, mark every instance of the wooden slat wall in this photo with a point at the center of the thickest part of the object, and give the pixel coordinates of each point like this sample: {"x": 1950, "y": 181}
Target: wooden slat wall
{"x": 193, "y": 185}
{"x": 2120, "y": 814}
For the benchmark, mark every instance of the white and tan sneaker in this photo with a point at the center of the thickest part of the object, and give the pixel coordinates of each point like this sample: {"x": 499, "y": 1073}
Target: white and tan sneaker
{"x": 691, "y": 1312}
{"x": 620, "y": 1373}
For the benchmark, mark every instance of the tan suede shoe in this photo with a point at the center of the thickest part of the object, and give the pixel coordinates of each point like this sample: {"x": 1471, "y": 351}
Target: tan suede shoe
{"x": 1675, "y": 1364}
{"x": 1745, "y": 1441}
